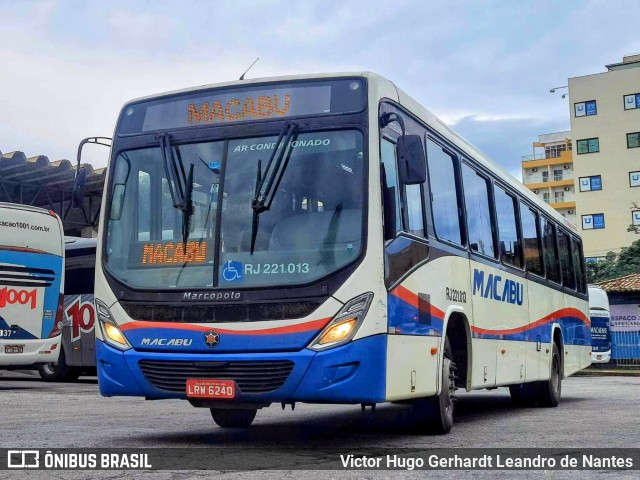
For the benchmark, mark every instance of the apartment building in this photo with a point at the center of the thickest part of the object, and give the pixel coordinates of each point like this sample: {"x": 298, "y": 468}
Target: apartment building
{"x": 548, "y": 172}
{"x": 605, "y": 128}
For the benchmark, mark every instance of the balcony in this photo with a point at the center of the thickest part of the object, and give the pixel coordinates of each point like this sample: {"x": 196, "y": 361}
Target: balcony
{"x": 560, "y": 205}
{"x": 566, "y": 181}
{"x": 541, "y": 159}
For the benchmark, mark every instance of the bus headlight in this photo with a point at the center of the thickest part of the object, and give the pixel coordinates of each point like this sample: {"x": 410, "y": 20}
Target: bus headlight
{"x": 344, "y": 325}
{"x": 110, "y": 330}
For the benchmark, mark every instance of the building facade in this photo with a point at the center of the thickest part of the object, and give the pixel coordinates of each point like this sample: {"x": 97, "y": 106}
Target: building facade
{"x": 605, "y": 128}
{"x": 548, "y": 172}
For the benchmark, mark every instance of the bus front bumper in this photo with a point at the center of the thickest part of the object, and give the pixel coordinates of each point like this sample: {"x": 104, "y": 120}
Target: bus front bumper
{"x": 34, "y": 352}
{"x": 352, "y": 373}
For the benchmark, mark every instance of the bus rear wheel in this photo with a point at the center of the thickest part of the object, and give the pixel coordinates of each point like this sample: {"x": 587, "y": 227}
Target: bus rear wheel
{"x": 58, "y": 371}
{"x": 435, "y": 414}
{"x": 545, "y": 393}
{"x": 233, "y": 418}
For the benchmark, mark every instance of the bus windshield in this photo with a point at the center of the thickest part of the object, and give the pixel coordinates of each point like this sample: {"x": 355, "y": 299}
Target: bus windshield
{"x": 312, "y": 228}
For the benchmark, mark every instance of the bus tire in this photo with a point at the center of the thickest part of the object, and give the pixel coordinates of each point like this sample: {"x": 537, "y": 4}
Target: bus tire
{"x": 545, "y": 393}
{"x": 233, "y": 418}
{"x": 548, "y": 392}
{"x": 435, "y": 414}
{"x": 58, "y": 371}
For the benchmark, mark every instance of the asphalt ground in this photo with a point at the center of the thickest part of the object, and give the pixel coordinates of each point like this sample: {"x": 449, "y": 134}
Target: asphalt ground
{"x": 595, "y": 412}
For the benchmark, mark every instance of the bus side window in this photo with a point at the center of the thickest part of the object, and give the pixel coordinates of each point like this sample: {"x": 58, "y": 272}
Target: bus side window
{"x": 531, "y": 240}
{"x": 79, "y": 281}
{"x": 550, "y": 254}
{"x": 391, "y": 192}
{"x": 478, "y": 208}
{"x": 578, "y": 265}
{"x": 444, "y": 193}
{"x": 568, "y": 274}
{"x": 507, "y": 228}
{"x": 413, "y": 196}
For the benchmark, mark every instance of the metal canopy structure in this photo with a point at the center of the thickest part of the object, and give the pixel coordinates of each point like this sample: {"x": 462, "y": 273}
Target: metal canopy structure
{"x": 40, "y": 182}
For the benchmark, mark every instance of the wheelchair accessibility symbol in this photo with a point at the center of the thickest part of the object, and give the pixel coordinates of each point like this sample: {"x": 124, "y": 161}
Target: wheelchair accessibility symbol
{"x": 232, "y": 271}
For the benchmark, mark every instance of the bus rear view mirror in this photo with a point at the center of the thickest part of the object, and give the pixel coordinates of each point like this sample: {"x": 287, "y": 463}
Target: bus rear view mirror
{"x": 412, "y": 163}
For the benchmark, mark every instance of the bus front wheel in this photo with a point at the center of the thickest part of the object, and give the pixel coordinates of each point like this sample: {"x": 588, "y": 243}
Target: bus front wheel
{"x": 233, "y": 418}
{"x": 435, "y": 414}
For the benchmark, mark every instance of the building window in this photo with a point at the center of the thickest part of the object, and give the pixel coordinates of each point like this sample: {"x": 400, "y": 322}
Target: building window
{"x": 545, "y": 176}
{"x": 589, "y": 184}
{"x": 557, "y": 175}
{"x": 634, "y": 179}
{"x": 635, "y": 218}
{"x": 554, "y": 151}
{"x": 545, "y": 197}
{"x": 588, "y": 145}
{"x": 632, "y": 101}
{"x": 633, "y": 140}
{"x": 582, "y": 109}
{"x": 594, "y": 221}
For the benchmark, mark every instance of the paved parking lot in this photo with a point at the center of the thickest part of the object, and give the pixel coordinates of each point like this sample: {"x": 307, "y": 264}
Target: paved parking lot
{"x": 595, "y": 412}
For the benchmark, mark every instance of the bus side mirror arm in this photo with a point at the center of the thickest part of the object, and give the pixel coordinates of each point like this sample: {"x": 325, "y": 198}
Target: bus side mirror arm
{"x": 80, "y": 181}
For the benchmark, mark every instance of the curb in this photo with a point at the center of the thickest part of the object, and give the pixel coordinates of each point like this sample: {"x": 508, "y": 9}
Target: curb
{"x": 607, "y": 373}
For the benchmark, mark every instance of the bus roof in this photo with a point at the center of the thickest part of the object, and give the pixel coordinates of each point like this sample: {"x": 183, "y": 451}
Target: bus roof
{"x": 598, "y": 298}
{"x": 386, "y": 88}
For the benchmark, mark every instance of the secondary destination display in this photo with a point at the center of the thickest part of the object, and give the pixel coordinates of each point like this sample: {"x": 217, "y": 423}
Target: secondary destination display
{"x": 229, "y": 105}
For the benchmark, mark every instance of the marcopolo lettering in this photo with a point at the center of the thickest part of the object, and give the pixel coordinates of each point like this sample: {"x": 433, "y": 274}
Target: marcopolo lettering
{"x": 211, "y": 296}
{"x": 495, "y": 288}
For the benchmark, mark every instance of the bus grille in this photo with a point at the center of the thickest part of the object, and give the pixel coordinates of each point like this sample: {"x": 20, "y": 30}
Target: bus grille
{"x": 250, "y": 377}
{"x": 25, "y": 276}
{"x": 251, "y": 312}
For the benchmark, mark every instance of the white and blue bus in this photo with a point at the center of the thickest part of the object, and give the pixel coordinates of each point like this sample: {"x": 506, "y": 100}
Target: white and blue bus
{"x": 325, "y": 239}
{"x": 31, "y": 279}
{"x": 600, "y": 316}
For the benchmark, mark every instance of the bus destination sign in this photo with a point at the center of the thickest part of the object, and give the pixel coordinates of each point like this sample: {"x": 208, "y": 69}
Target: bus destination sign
{"x": 243, "y": 104}
{"x": 234, "y": 107}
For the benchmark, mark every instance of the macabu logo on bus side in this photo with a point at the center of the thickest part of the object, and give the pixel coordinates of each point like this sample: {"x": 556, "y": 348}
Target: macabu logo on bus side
{"x": 495, "y": 288}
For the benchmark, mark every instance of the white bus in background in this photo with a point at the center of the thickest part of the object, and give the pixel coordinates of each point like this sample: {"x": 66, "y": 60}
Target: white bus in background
{"x": 600, "y": 315}
{"x": 31, "y": 279}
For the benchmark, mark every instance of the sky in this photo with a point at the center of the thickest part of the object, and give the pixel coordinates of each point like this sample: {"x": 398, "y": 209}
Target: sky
{"x": 483, "y": 67}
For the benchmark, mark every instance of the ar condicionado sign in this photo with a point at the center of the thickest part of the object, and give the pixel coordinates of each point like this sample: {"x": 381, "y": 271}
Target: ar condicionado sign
{"x": 170, "y": 253}
{"x": 234, "y": 109}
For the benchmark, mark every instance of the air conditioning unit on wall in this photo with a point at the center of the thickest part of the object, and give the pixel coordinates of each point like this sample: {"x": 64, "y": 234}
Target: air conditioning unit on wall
{"x": 534, "y": 170}
{"x": 567, "y": 167}
{"x": 566, "y": 189}
{"x": 535, "y": 191}
{"x": 570, "y": 212}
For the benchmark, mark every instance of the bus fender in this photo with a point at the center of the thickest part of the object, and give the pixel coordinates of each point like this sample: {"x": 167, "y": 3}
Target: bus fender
{"x": 455, "y": 310}
{"x": 556, "y": 327}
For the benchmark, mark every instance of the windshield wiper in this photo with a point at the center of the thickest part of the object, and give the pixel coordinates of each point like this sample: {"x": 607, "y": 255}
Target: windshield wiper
{"x": 267, "y": 184}
{"x": 180, "y": 184}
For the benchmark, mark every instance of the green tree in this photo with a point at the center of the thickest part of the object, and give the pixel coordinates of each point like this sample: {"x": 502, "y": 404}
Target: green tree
{"x": 613, "y": 266}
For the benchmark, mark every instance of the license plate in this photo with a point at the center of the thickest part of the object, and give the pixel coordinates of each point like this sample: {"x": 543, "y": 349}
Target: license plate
{"x": 201, "y": 388}
{"x": 13, "y": 348}
{"x": 598, "y": 357}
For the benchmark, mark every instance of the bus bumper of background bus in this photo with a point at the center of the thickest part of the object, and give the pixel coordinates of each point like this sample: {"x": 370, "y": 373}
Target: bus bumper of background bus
{"x": 34, "y": 352}
{"x": 601, "y": 357}
{"x": 352, "y": 373}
